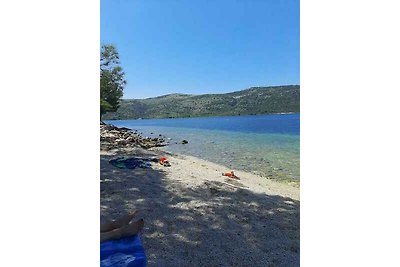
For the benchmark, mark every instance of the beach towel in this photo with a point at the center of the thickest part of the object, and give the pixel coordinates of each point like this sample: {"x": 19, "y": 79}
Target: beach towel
{"x": 124, "y": 252}
{"x": 130, "y": 163}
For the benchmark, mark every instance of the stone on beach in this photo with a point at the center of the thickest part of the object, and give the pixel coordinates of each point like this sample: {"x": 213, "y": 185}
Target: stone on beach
{"x": 114, "y": 137}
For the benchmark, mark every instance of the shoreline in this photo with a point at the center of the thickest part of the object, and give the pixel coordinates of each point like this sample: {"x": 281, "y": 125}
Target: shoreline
{"x": 194, "y": 166}
{"x": 285, "y": 181}
{"x": 189, "y": 208}
{"x": 252, "y": 181}
{"x": 275, "y": 171}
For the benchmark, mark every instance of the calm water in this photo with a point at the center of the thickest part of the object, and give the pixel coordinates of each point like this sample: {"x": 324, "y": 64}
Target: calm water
{"x": 268, "y": 145}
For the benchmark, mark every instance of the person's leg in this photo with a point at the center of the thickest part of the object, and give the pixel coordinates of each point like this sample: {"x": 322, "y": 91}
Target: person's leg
{"x": 106, "y": 227}
{"x": 128, "y": 230}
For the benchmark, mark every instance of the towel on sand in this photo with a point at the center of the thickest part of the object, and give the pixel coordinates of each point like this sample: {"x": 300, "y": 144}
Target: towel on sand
{"x": 130, "y": 163}
{"x": 124, "y": 252}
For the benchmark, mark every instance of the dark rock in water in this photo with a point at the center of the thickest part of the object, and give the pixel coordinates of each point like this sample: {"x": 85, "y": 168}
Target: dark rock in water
{"x": 184, "y": 142}
{"x": 125, "y": 129}
{"x": 159, "y": 135}
{"x": 151, "y": 133}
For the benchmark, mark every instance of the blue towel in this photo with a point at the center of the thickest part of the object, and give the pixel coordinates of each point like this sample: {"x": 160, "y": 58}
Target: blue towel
{"x": 130, "y": 163}
{"x": 124, "y": 252}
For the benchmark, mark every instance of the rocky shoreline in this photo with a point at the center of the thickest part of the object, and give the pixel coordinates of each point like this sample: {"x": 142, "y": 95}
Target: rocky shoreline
{"x": 112, "y": 137}
{"x": 191, "y": 206}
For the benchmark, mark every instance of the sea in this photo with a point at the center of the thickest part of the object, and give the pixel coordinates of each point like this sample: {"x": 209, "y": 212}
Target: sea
{"x": 266, "y": 145}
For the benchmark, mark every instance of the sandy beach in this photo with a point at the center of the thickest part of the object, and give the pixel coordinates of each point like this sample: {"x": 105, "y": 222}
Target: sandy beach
{"x": 194, "y": 216}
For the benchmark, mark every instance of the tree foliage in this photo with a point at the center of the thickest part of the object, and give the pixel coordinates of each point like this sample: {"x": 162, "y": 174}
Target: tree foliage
{"x": 112, "y": 80}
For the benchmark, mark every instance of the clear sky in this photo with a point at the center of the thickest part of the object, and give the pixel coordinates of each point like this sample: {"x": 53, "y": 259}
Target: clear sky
{"x": 197, "y": 47}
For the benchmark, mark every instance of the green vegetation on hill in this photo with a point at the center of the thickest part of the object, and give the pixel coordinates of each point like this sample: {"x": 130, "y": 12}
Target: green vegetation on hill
{"x": 255, "y": 100}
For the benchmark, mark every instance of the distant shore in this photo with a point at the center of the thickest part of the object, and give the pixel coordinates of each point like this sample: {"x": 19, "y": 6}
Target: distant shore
{"x": 211, "y": 116}
{"x": 253, "y": 100}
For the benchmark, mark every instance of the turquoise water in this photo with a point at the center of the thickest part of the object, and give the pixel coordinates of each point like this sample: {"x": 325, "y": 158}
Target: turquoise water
{"x": 267, "y": 145}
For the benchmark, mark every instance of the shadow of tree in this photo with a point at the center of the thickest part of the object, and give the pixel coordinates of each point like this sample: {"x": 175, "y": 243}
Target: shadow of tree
{"x": 209, "y": 225}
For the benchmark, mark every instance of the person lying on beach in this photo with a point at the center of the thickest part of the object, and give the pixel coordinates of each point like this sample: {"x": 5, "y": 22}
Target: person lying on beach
{"x": 122, "y": 227}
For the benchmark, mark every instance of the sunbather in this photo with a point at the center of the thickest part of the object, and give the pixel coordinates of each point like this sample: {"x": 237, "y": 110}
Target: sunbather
{"x": 122, "y": 227}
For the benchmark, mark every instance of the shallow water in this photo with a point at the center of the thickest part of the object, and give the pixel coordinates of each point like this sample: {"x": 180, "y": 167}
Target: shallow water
{"x": 267, "y": 145}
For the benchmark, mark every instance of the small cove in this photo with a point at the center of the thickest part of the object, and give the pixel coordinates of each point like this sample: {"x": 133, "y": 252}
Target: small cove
{"x": 267, "y": 145}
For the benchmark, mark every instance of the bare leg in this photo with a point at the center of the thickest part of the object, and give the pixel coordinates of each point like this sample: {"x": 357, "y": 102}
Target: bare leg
{"x": 128, "y": 230}
{"x": 106, "y": 227}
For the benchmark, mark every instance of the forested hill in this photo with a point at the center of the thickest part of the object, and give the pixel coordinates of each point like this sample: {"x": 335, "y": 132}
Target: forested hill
{"x": 255, "y": 100}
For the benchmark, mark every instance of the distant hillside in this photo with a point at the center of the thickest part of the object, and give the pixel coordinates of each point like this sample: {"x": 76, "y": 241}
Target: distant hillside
{"x": 255, "y": 100}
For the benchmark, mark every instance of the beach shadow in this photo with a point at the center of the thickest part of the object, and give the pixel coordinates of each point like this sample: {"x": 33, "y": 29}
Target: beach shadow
{"x": 208, "y": 225}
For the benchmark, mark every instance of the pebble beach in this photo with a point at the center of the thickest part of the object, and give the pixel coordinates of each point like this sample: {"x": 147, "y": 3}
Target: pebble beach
{"x": 194, "y": 216}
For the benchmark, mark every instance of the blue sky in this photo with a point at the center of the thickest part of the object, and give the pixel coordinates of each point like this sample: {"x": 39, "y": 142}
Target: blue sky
{"x": 197, "y": 47}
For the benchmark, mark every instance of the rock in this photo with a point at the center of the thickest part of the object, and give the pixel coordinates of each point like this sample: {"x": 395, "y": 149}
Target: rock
{"x": 184, "y": 142}
{"x": 112, "y": 137}
{"x": 124, "y": 129}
